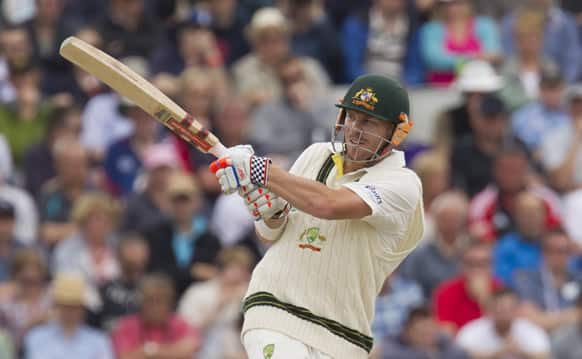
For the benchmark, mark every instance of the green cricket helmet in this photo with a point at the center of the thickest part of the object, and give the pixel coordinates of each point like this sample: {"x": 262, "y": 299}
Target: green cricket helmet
{"x": 378, "y": 96}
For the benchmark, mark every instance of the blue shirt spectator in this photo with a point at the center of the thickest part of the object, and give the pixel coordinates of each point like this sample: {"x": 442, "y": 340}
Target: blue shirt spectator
{"x": 513, "y": 252}
{"x": 122, "y": 166}
{"x": 397, "y": 298}
{"x": 561, "y": 40}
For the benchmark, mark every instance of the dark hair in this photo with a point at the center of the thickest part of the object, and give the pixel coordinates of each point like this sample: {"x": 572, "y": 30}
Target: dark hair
{"x": 512, "y": 147}
{"x": 58, "y": 116}
{"x": 419, "y": 312}
{"x": 503, "y": 292}
{"x": 159, "y": 281}
{"x": 129, "y": 238}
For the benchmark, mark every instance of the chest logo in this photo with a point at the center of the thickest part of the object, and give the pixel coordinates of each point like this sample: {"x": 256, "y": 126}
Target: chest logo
{"x": 312, "y": 239}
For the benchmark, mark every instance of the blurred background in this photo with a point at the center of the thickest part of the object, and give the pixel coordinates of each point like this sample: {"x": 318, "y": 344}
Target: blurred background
{"x": 116, "y": 243}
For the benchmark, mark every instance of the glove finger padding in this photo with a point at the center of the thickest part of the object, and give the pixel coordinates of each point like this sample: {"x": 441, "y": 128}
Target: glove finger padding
{"x": 262, "y": 203}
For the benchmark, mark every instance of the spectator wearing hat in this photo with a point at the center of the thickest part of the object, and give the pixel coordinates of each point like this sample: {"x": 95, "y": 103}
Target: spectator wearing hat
{"x": 25, "y": 301}
{"x": 148, "y": 206}
{"x": 103, "y": 122}
{"x": 39, "y": 163}
{"x": 90, "y": 249}
{"x": 195, "y": 46}
{"x": 8, "y": 244}
{"x": 59, "y": 194}
{"x": 502, "y": 334}
{"x": 155, "y": 331}
{"x": 66, "y": 336}
{"x": 182, "y": 246}
{"x": 567, "y": 340}
{"x": 213, "y": 306}
{"x": 476, "y": 80}
{"x": 522, "y": 71}
{"x": 255, "y": 75}
{"x": 562, "y": 158}
{"x": 455, "y": 37}
{"x": 492, "y": 211}
{"x": 561, "y": 40}
{"x": 472, "y": 156}
{"x": 420, "y": 338}
{"x": 534, "y": 121}
{"x": 124, "y": 159}
{"x": 439, "y": 258}
{"x": 382, "y": 39}
{"x": 25, "y": 212}
{"x": 128, "y": 30}
{"x": 549, "y": 291}
{"x": 120, "y": 296}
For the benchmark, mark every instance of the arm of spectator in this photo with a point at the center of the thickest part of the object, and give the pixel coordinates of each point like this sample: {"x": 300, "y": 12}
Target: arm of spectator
{"x": 432, "y": 38}
{"x": 183, "y": 349}
{"x": 354, "y": 39}
{"x": 488, "y": 33}
{"x": 52, "y": 233}
{"x": 548, "y": 320}
{"x": 571, "y": 51}
{"x": 507, "y": 34}
{"x": 562, "y": 175}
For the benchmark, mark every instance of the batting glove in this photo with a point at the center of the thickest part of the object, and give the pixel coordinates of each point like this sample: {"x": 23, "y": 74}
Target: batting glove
{"x": 262, "y": 203}
{"x": 240, "y": 168}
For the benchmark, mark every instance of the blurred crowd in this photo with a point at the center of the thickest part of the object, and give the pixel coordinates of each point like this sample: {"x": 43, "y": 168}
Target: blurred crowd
{"x": 115, "y": 241}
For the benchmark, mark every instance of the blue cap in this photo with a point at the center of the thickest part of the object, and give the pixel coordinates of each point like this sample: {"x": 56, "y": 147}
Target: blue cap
{"x": 492, "y": 105}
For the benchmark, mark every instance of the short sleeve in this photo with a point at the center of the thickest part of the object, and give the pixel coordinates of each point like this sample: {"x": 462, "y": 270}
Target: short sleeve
{"x": 182, "y": 330}
{"x": 555, "y": 147}
{"x": 124, "y": 337}
{"x": 533, "y": 339}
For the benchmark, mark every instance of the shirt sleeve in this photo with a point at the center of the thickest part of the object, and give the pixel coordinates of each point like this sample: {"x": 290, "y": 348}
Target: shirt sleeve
{"x": 182, "y": 330}
{"x": 124, "y": 338}
{"x": 532, "y": 338}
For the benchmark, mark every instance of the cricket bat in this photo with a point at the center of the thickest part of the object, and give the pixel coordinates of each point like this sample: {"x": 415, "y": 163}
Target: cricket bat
{"x": 129, "y": 84}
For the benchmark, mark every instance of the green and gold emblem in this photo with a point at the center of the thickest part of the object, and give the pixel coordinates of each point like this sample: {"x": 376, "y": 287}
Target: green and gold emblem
{"x": 312, "y": 239}
{"x": 268, "y": 351}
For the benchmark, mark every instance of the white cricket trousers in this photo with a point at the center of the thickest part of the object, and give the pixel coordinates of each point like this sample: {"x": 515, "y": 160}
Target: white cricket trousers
{"x": 268, "y": 344}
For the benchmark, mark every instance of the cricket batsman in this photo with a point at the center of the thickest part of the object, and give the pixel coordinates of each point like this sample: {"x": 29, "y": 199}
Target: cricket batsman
{"x": 341, "y": 220}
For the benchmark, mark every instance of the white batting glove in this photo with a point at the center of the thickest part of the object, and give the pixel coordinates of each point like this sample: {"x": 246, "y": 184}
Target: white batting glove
{"x": 262, "y": 203}
{"x": 240, "y": 168}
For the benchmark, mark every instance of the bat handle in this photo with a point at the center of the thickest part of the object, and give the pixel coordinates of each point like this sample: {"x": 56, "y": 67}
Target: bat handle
{"x": 218, "y": 150}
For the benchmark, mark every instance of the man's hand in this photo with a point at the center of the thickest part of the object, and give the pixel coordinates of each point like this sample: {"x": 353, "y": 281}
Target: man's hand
{"x": 240, "y": 168}
{"x": 261, "y": 202}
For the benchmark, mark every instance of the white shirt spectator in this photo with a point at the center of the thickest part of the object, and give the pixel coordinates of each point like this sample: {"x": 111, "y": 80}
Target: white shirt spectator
{"x": 26, "y": 227}
{"x": 239, "y": 222}
{"x": 556, "y": 146}
{"x": 480, "y": 337}
{"x": 102, "y": 123}
{"x": 5, "y": 159}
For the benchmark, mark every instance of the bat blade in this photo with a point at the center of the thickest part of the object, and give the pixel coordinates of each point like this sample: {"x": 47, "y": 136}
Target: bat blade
{"x": 129, "y": 84}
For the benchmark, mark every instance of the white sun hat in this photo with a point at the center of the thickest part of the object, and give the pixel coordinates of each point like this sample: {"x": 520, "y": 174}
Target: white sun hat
{"x": 478, "y": 76}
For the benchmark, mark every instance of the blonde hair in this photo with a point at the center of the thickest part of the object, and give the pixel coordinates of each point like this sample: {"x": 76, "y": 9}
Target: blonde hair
{"x": 91, "y": 202}
{"x": 529, "y": 20}
{"x": 428, "y": 163}
{"x": 26, "y": 257}
{"x": 235, "y": 255}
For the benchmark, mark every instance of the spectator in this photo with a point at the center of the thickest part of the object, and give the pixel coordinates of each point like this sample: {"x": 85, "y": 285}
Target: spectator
{"x": 433, "y": 170}
{"x": 103, "y": 123}
{"x": 150, "y": 205}
{"x": 67, "y": 336}
{"x": 491, "y": 214}
{"x": 380, "y": 40}
{"x": 228, "y": 22}
{"x": 39, "y": 163}
{"x": 501, "y": 334}
{"x": 455, "y": 37}
{"x": 213, "y": 306}
{"x": 60, "y": 193}
{"x": 26, "y": 216}
{"x": 255, "y": 75}
{"x": 473, "y": 155}
{"x": 313, "y": 35}
{"x": 522, "y": 71}
{"x": 420, "y": 339}
{"x": 47, "y": 30}
{"x": 567, "y": 341}
{"x": 86, "y": 86}
{"x": 16, "y": 55}
{"x": 462, "y": 299}
{"x": 156, "y": 331}
{"x": 124, "y": 158}
{"x": 8, "y": 244}
{"x": 438, "y": 259}
{"x": 25, "y": 300}
{"x": 90, "y": 250}
{"x": 6, "y": 167}
{"x": 534, "y": 121}
{"x": 521, "y": 249}
{"x": 299, "y": 114}
{"x": 561, "y": 38}
{"x": 24, "y": 123}
{"x": 184, "y": 248}
{"x": 195, "y": 47}
{"x": 549, "y": 291}
{"x": 6, "y": 345}
{"x": 120, "y": 296}
{"x": 477, "y": 79}
{"x": 127, "y": 29}
{"x": 396, "y": 299}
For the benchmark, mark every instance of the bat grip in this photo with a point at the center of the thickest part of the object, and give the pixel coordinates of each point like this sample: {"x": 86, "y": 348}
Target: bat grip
{"x": 218, "y": 150}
